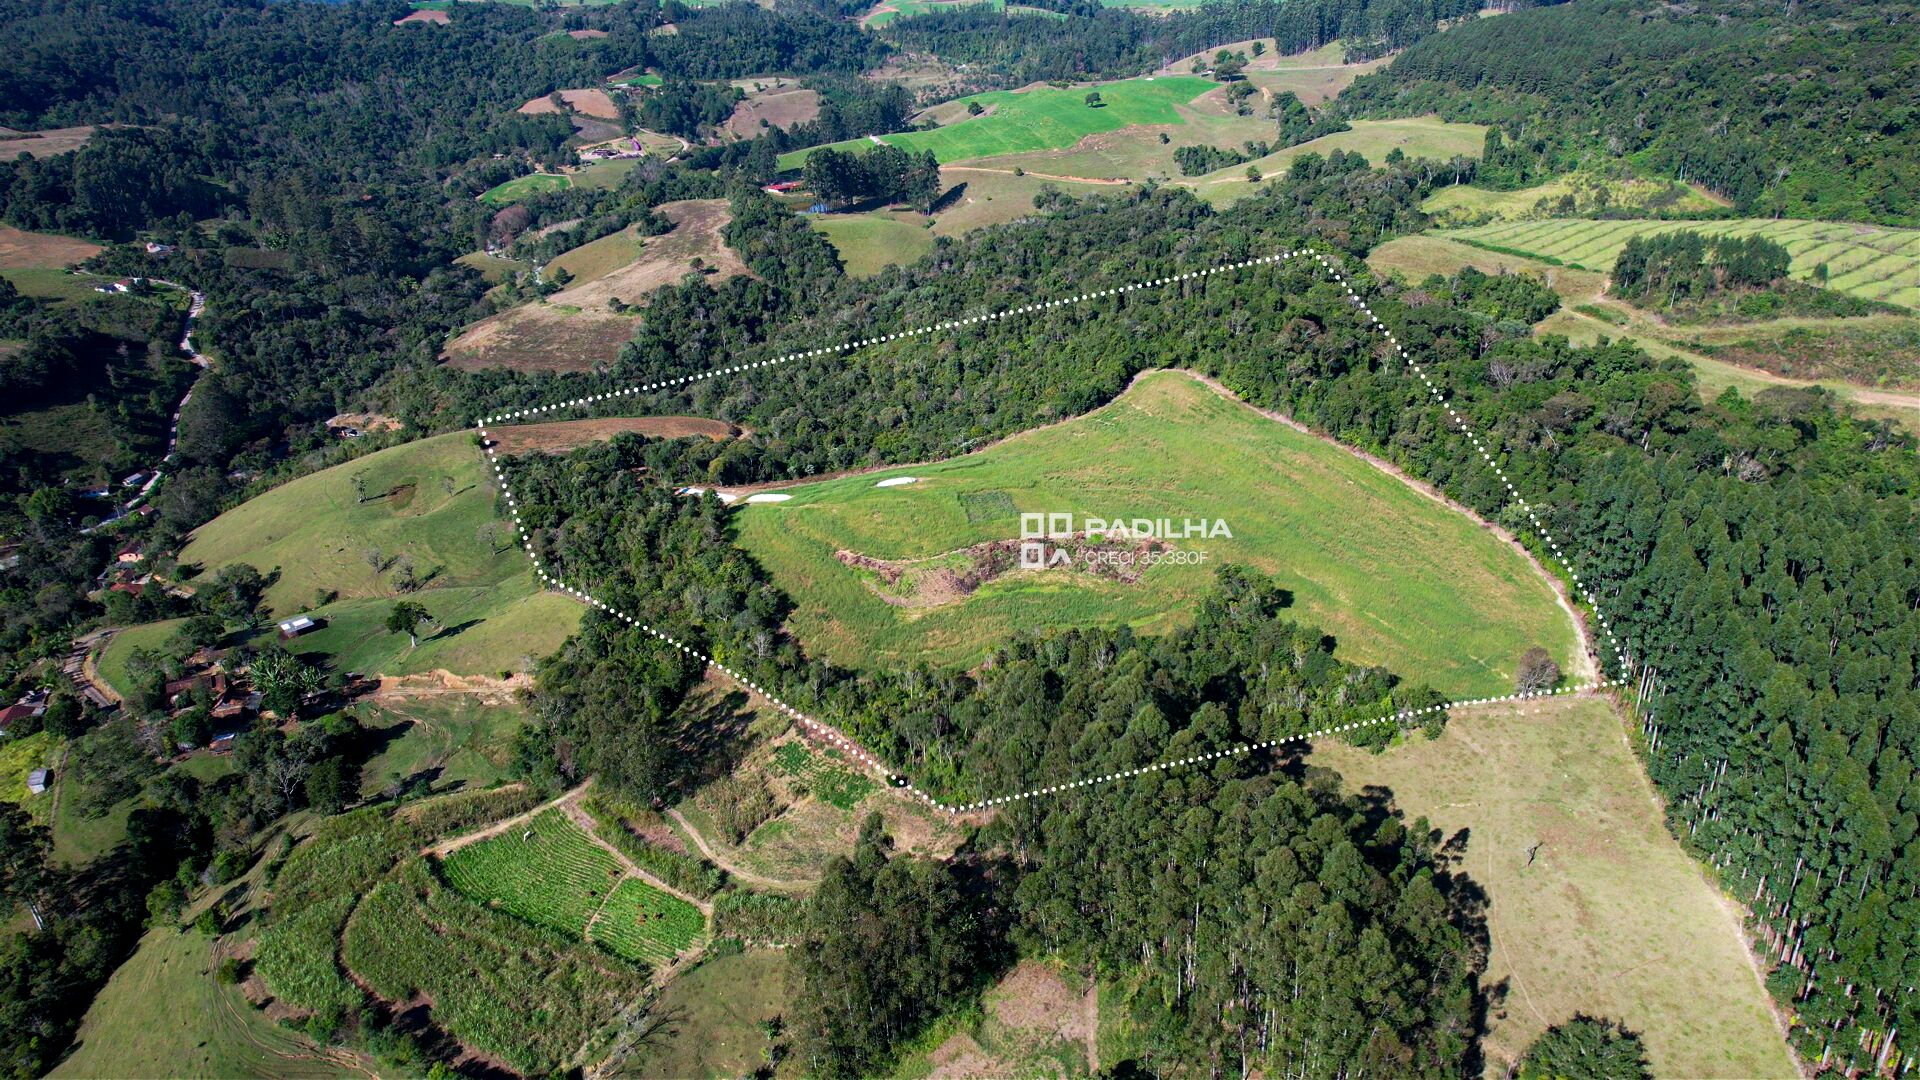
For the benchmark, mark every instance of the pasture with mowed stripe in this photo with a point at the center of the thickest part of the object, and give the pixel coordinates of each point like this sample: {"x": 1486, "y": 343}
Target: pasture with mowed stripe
{"x": 1868, "y": 261}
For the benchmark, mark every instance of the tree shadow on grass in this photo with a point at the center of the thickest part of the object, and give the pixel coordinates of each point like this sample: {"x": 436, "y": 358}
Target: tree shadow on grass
{"x": 713, "y": 730}
{"x": 455, "y": 630}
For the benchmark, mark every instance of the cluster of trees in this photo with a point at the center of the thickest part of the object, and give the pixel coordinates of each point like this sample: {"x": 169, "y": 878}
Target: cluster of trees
{"x": 1803, "y": 111}
{"x": 1586, "y": 1048}
{"x": 1671, "y": 268}
{"x": 889, "y": 943}
{"x": 731, "y": 41}
{"x": 1201, "y": 158}
{"x": 1300, "y": 124}
{"x": 1094, "y": 41}
{"x": 885, "y": 173}
{"x": 687, "y": 108}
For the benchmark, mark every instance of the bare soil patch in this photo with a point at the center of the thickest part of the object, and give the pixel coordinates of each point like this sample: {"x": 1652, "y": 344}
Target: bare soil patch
{"x": 563, "y": 435}
{"x": 43, "y": 143}
{"x": 436, "y": 16}
{"x": 441, "y": 682}
{"x": 20, "y": 250}
{"x": 586, "y": 35}
{"x": 1035, "y": 998}
{"x": 779, "y": 108}
{"x": 962, "y": 1057}
{"x": 575, "y": 329}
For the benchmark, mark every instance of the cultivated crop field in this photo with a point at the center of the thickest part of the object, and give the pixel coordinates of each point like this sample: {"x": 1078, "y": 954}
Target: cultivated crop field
{"x": 1610, "y": 917}
{"x": 552, "y": 874}
{"x": 1398, "y": 578}
{"x": 547, "y": 872}
{"x": 1869, "y": 352}
{"x": 1871, "y": 261}
{"x": 527, "y": 995}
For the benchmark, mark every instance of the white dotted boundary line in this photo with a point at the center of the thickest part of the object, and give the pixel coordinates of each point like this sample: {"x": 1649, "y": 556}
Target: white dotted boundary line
{"x": 861, "y": 343}
{"x": 860, "y": 753}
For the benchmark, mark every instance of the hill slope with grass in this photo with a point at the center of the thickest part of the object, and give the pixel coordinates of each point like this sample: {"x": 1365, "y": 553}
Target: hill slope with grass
{"x": 1397, "y": 577}
{"x": 355, "y": 529}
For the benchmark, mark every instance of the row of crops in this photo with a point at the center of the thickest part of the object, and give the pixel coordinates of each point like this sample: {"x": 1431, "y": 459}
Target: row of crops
{"x": 529, "y": 943}
{"x": 551, "y": 874}
{"x": 1863, "y": 260}
{"x": 530, "y": 996}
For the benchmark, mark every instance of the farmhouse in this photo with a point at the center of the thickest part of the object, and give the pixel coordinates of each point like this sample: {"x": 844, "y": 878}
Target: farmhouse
{"x": 34, "y": 704}
{"x": 129, "y": 553}
{"x": 294, "y": 627}
{"x": 37, "y": 781}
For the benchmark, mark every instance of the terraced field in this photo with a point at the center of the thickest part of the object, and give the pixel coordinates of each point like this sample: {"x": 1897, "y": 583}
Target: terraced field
{"x": 641, "y": 922}
{"x": 551, "y": 874}
{"x": 1870, "y": 261}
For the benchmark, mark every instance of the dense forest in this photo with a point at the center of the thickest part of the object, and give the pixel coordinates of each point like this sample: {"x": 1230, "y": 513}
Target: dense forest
{"x": 1807, "y": 109}
{"x": 1097, "y": 41}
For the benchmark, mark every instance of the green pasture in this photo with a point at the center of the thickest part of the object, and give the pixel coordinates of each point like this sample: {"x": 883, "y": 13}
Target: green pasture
{"x": 430, "y": 501}
{"x": 522, "y": 186}
{"x": 1042, "y": 119}
{"x": 1399, "y": 579}
{"x": 867, "y": 243}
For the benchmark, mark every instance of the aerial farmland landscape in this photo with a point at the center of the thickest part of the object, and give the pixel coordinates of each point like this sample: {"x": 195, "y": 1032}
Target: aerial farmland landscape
{"x": 1345, "y": 539}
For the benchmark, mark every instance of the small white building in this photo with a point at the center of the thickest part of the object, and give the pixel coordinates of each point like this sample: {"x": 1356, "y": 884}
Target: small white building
{"x": 37, "y": 781}
{"x": 294, "y": 627}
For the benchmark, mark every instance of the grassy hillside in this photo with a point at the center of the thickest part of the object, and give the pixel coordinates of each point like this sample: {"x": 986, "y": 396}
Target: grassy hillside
{"x": 1397, "y": 578}
{"x": 430, "y": 502}
{"x": 1874, "y": 262}
{"x": 162, "y": 1014}
{"x": 1465, "y": 204}
{"x": 427, "y": 500}
{"x": 1416, "y": 137}
{"x": 1609, "y": 917}
{"x": 520, "y": 187}
{"x": 868, "y": 242}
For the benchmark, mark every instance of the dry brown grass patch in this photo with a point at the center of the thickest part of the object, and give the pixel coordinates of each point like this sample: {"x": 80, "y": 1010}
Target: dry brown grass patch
{"x": 21, "y": 250}
{"x": 779, "y": 108}
{"x": 564, "y": 435}
{"x": 575, "y": 329}
{"x": 42, "y": 143}
{"x": 591, "y": 102}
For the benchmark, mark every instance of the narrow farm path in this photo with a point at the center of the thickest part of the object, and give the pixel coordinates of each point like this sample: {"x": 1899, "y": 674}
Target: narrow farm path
{"x": 731, "y": 867}
{"x": 1104, "y": 181}
{"x": 584, "y": 820}
{"x": 447, "y": 847}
